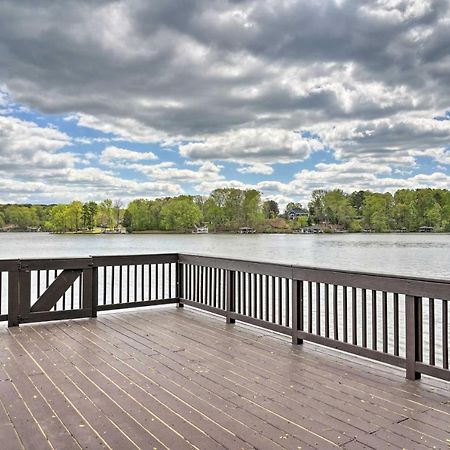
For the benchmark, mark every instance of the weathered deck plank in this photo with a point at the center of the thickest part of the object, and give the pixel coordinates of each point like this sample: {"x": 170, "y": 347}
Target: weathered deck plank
{"x": 172, "y": 378}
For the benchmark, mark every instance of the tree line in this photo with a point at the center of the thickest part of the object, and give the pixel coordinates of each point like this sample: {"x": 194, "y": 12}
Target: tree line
{"x": 229, "y": 209}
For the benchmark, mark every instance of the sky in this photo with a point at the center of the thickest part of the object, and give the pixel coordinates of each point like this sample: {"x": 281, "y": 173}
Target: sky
{"x": 148, "y": 98}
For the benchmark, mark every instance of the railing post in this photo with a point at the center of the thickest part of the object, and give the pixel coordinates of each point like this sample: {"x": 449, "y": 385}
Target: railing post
{"x": 89, "y": 300}
{"x": 413, "y": 335}
{"x": 13, "y": 297}
{"x": 231, "y": 299}
{"x": 180, "y": 281}
{"x": 297, "y": 311}
{"x": 94, "y": 301}
{"x": 24, "y": 292}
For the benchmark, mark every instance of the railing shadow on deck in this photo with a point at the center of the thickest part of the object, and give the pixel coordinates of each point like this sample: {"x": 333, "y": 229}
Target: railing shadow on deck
{"x": 401, "y": 321}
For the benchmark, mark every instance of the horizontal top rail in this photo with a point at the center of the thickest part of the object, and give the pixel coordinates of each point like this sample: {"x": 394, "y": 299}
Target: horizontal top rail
{"x": 54, "y": 263}
{"x": 7, "y": 265}
{"x": 106, "y": 260}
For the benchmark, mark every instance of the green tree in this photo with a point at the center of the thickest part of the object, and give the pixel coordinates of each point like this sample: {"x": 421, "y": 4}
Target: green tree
{"x": 377, "y": 211}
{"x": 271, "y": 209}
{"x": 180, "y": 214}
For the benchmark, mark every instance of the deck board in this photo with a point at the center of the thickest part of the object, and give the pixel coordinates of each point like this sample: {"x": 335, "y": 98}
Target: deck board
{"x": 179, "y": 378}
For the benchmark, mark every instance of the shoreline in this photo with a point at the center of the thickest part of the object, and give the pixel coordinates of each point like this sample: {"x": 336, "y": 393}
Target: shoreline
{"x": 184, "y": 233}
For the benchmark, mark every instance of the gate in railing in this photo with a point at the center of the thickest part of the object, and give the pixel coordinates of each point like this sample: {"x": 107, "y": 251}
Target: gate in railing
{"x": 400, "y": 321}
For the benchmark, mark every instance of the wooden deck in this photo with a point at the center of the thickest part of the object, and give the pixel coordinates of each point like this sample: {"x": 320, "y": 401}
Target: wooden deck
{"x": 181, "y": 378}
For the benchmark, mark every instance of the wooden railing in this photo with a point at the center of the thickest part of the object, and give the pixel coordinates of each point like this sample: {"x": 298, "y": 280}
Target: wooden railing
{"x": 401, "y": 321}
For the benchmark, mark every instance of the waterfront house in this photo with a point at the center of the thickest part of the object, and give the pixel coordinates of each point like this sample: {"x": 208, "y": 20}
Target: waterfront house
{"x": 200, "y": 230}
{"x": 246, "y": 230}
{"x": 294, "y": 213}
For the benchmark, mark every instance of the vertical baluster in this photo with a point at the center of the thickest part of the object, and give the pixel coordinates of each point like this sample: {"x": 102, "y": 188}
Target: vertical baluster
{"x": 237, "y": 297}
{"x": 224, "y": 290}
{"x": 310, "y": 311}
{"x": 206, "y": 286}
{"x": 280, "y": 302}
{"x": 120, "y": 283}
{"x": 250, "y": 294}
{"x": 255, "y": 295}
{"x": 344, "y": 312}
{"x": 218, "y": 288}
{"x": 1, "y": 291}
{"x": 266, "y": 298}
{"x": 55, "y": 276}
{"x": 197, "y": 283}
{"x": 211, "y": 286}
{"x": 80, "y": 290}
{"x": 202, "y": 286}
{"x": 364, "y": 317}
{"x": 354, "y": 317}
{"x": 261, "y": 293}
{"x": 105, "y": 274}
{"x": 244, "y": 293}
{"x": 420, "y": 329}
{"x": 445, "y": 334}
{"x": 327, "y": 310}
{"x": 135, "y": 276}
{"x": 385, "y": 323}
{"x": 112, "y": 284}
{"x": 272, "y": 281}
{"x": 64, "y": 301}
{"x": 163, "y": 275}
{"x": 336, "y": 313}
{"x": 142, "y": 282}
{"x": 72, "y": 295}
{"x": 301, "y": 306}
{"x": 157, "y": 281}
{"x": 215, "y": 288}
{"x": 432, "y": 359}
{"x": 374, "y": 320}
{"x": 396, "y": 327}
{"x": 149, "y": 281}
{"x": 38, "y": 285}
{"x": 318, "y": 309}
{"x": 287, "y": 301}
{"x": 128, "y": 283}
{"x": 189, "y": 282}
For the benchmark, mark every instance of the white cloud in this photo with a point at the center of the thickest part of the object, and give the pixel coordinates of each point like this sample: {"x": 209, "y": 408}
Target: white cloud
{"x": 111, "y": 154}
{"x": 258, "y": 168}
{"x": 206, "y": 172}
{"x": 253, "y": 145}
{"x": 24, "y": 145}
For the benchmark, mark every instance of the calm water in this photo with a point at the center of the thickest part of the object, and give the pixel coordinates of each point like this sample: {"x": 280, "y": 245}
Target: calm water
{"x": 421, "y": 255}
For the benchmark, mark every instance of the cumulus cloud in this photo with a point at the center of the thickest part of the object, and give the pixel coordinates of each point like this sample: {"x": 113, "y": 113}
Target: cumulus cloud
{"x": 24, "y": 144}
{"x": 206, "y": 172}
{"x": 263, "y": 145}
{"x": 258, "y": 168}
{"x": 112, "y": 154}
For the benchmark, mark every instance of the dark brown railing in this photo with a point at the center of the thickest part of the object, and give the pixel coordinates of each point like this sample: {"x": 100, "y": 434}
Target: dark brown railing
{"x": 401, "y": 321}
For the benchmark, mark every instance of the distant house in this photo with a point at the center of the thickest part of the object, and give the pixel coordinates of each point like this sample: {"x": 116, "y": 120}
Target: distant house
{"x": 294, "y": 213}
{"x": 200, "y": 230}
{"x": 246, "y": 230}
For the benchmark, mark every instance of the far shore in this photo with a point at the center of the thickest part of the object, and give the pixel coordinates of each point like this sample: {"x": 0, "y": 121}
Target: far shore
{"x": 162, "y": 232}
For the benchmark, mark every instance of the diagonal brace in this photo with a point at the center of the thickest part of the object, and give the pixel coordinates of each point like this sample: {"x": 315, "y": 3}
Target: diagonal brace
{"x": 56, "y": 290}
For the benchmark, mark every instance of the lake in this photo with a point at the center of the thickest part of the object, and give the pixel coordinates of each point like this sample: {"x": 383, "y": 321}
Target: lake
{"x": 420, "y": 255}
